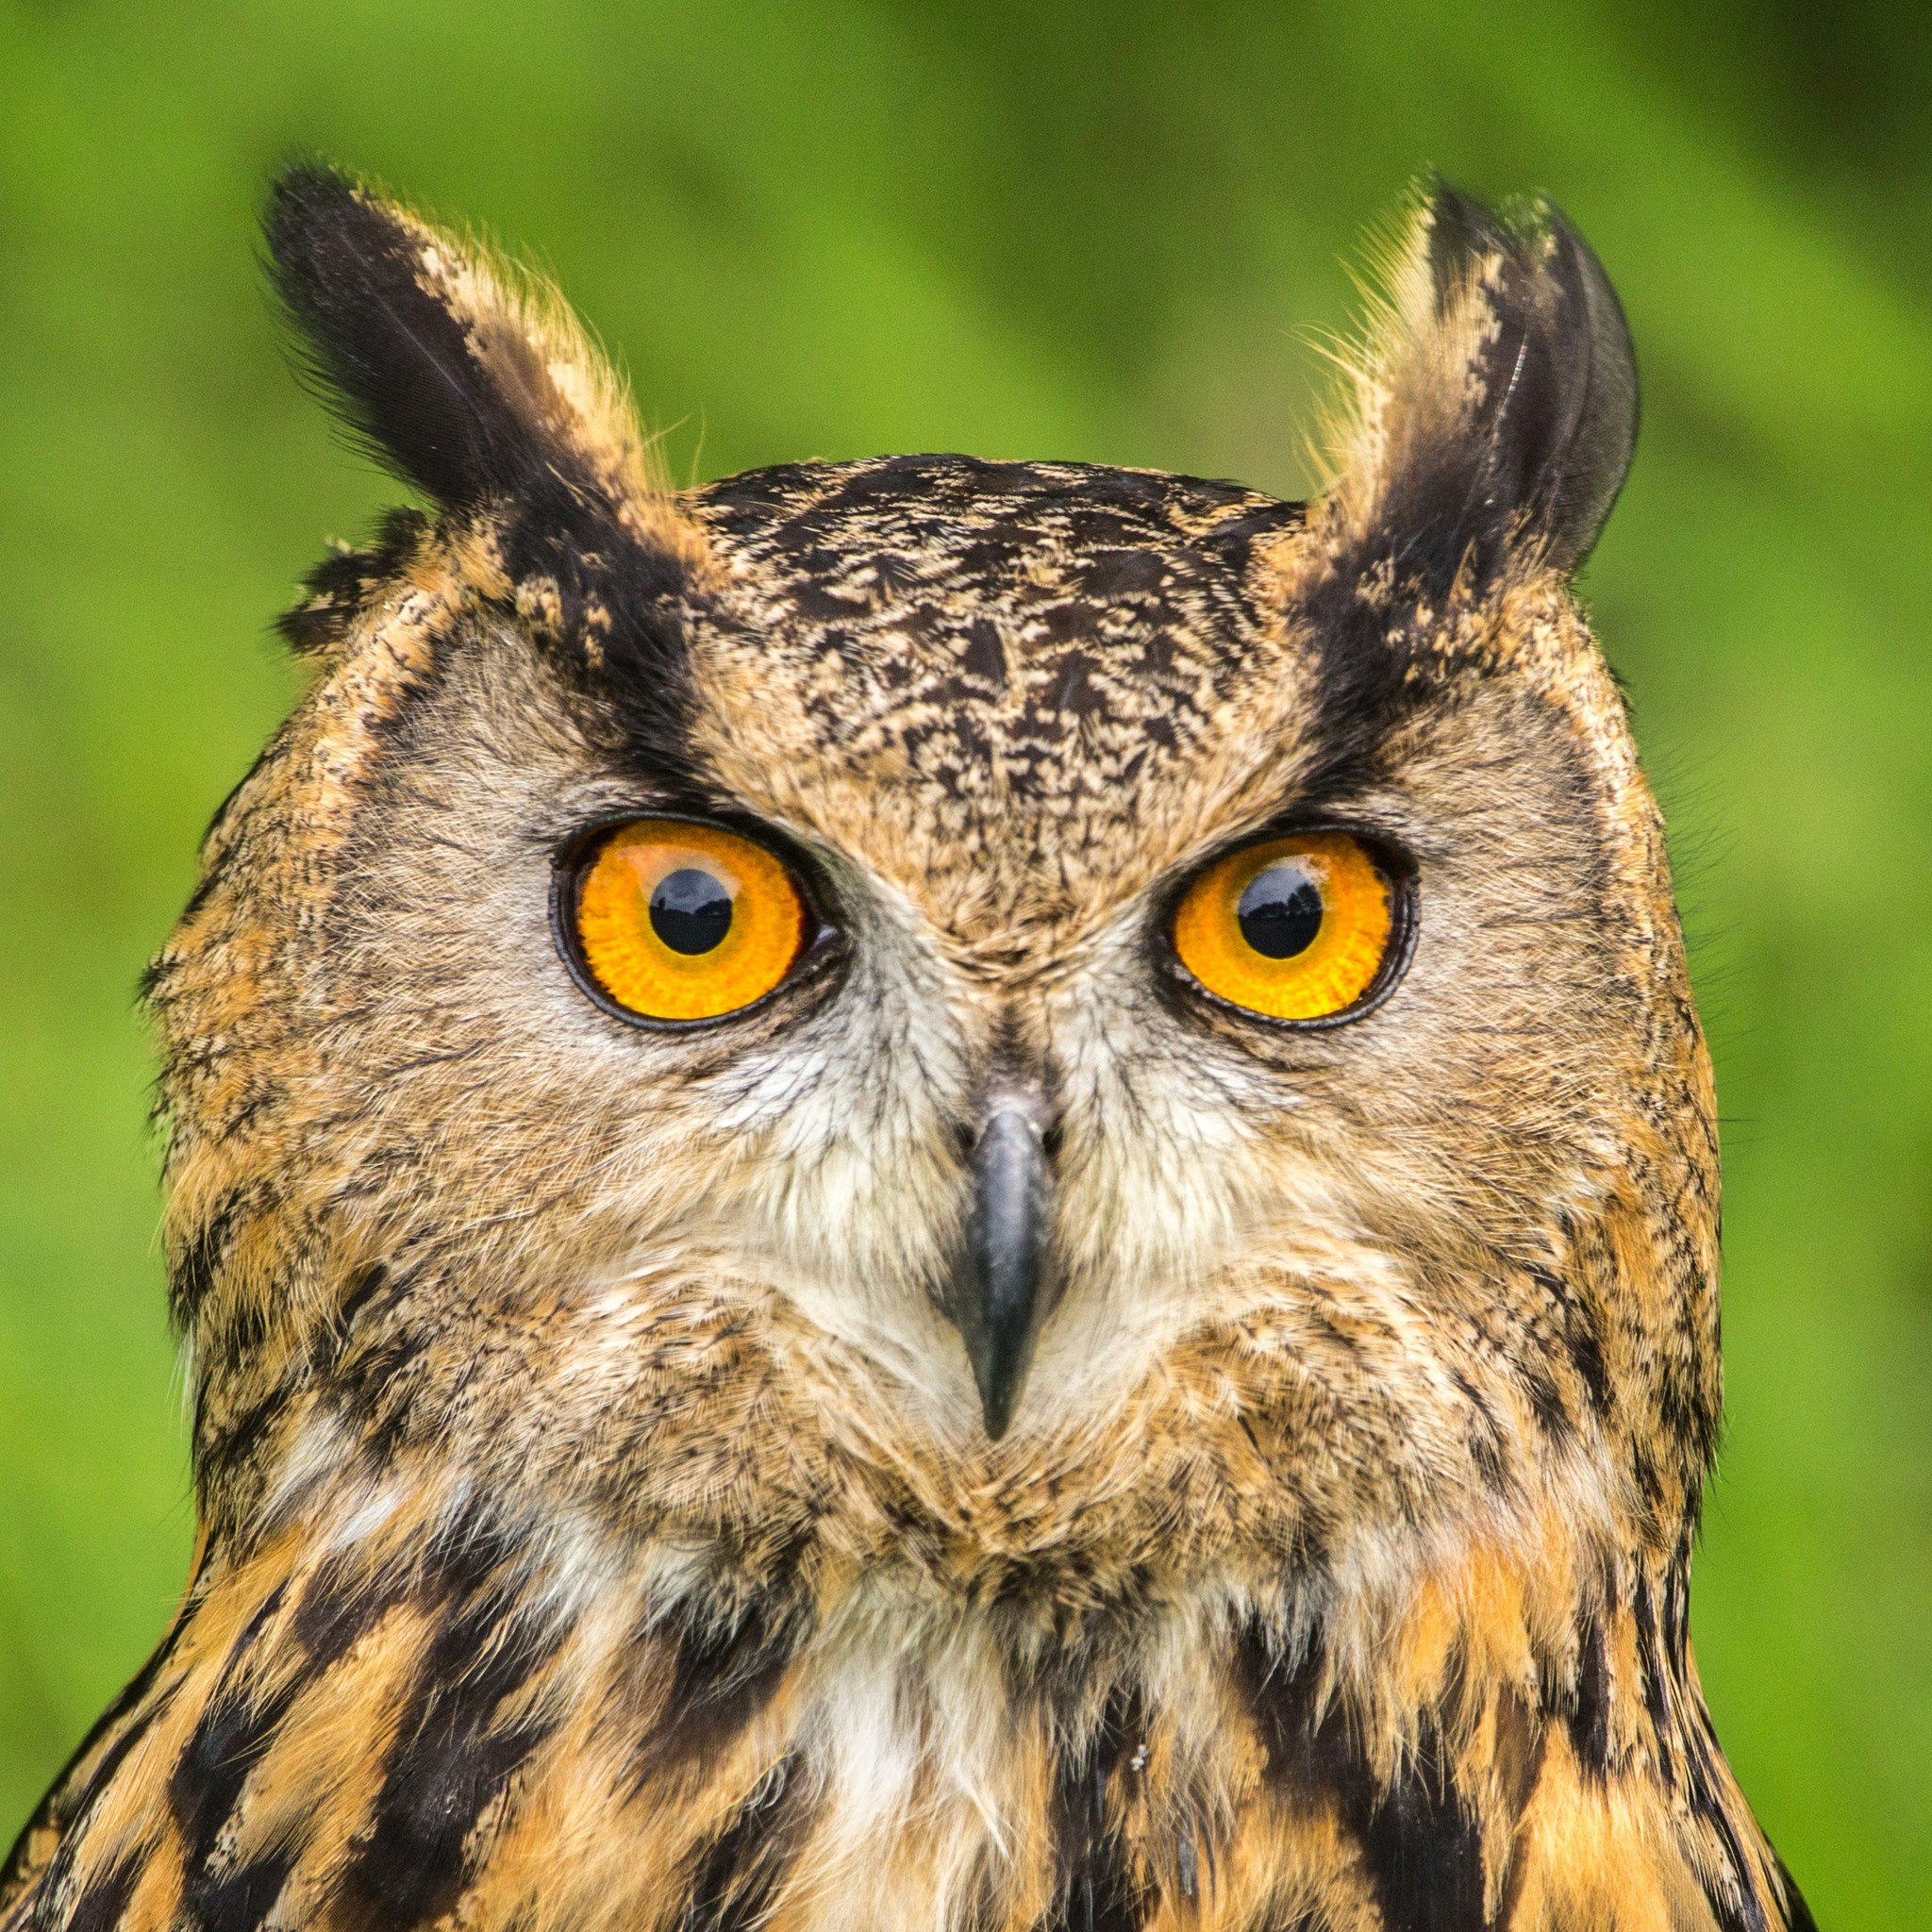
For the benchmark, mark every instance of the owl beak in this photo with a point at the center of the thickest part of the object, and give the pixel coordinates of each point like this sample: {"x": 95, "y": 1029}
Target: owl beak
{"x": 1004, "y": 1283}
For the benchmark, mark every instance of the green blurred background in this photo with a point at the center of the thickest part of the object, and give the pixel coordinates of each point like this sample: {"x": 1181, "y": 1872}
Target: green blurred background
{"x": 1093, "y": 230}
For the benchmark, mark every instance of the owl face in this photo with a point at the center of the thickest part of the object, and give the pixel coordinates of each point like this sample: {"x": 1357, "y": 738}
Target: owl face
{"x": 1004, "y": 995}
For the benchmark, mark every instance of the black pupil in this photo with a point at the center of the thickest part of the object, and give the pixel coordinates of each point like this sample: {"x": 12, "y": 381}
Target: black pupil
{"x": 1280, "y": 912}
{"x": 690, "y": 911}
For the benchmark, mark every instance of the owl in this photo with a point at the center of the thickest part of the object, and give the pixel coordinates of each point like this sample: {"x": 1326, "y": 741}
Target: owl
{"x": 936, "y": 1195}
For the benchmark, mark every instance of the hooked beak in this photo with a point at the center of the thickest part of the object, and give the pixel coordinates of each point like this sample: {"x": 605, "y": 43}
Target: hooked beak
{"x": 1004, "y": 1283}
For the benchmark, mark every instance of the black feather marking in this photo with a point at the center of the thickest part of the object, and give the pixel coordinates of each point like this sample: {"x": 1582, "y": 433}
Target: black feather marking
{"x": 1097, "y": 1888}
{"x": 1545, "y": 1402}
{"x": 1797, "y": 1913}
{"x": 1655, "y": 1675}
{"x": 1420, "y": 1845}
{"x": 341, "y": 1604}
{"x": 1590, "y": 1715}
{"x": 337, "y": 589}
{"x": 1582, "y": 1335}
{"x": 1363, "y": 691}
{"x": 738, "y": 1874}
{"x": 104, "y": 1899}
{"x": 455, "y": 1752}
{"x": 371, "y": 1282}
{"x": 192, "y": 1275}
{"x": 221, "y": 1451}
{"x": 617, "y": 605}
{"x": 1424, "y": 1850}
{"x": 376, "y": 1361}
{"x": 240, "y": 1900}
{"x": 232, "y": 1738}
{"x": 228, "y": 1740}
{"x": 1551, "y": 438}
{"x": 400, "y": 365}
{"x": 723, "y": 1674}
{"x": 1730, "y": 1893}
{"x": 1307, "y": 1745}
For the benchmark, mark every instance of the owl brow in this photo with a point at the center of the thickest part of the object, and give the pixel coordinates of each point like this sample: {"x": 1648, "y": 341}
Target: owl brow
{"x": 623, "y": 647}
{"x": 1331, "y": 789}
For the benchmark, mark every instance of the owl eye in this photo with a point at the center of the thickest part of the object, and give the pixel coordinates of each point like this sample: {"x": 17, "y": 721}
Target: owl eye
{"x": 674, "y": 921}
{"x": 1294, "y": 928}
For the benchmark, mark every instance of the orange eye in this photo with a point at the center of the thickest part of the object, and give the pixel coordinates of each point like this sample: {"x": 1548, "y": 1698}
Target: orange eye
{"x": 682, "y": 922}
{"x": 1296, "y": 928}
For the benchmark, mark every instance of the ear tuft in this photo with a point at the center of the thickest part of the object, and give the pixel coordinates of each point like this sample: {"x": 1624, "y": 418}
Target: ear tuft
{"x": 1495, "y": 404}
{"x": 469, "y": 380}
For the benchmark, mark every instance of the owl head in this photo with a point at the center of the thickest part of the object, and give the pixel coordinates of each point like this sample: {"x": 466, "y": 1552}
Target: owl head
{"x": 1029, "y": 1018}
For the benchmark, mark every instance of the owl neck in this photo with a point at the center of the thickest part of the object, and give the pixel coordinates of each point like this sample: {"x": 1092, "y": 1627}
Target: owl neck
{"x": 424, "y": 1713}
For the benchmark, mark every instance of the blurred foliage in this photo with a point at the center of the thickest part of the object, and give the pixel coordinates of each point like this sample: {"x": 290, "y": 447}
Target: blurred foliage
{"x": 1091, "y": 230}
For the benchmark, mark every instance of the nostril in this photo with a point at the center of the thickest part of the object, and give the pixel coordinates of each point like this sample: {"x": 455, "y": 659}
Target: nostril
{"x": 1050, "y": 1142}
{"x": 965, "y": 1138}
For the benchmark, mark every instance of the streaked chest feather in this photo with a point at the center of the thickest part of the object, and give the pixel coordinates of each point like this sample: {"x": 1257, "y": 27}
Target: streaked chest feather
{"x": 433, "y": 1725}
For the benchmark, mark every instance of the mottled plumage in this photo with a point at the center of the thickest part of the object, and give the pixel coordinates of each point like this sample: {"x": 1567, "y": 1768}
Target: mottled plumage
{"x": 601, "y": 1526}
